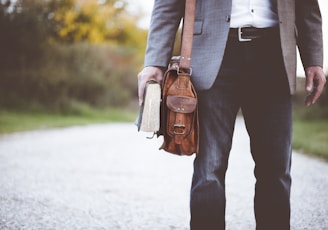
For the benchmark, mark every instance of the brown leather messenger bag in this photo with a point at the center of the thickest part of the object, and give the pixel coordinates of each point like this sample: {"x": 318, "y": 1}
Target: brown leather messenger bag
{"x": 179, "y": 107}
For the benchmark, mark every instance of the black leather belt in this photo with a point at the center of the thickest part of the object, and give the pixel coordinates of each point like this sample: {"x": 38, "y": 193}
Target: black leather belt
{"x": 245, "y": 34}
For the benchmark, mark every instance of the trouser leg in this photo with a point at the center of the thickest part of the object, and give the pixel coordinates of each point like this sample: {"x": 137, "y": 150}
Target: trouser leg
{"x": 217, "y": 113}
{"x": 269, "y": 127}
{"x": 271, "y": 150}
{"x": 251, "y": 76}
{"x": 267, "y": 110}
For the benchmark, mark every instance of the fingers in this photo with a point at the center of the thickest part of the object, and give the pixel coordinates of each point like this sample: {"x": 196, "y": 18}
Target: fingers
{"x": 315, "y": 82}
{"x": 141, "y": 86}
{"x": 147, "y": 74}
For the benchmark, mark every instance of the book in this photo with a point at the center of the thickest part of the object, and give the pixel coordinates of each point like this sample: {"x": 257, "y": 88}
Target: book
{"x": 148, "y": 119}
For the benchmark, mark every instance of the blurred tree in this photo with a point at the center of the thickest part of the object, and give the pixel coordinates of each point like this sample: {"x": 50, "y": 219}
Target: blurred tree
{"x": 70, "y": 21}
{"x": 27, "y": 26}
{"x": 22, "y": 36}
{"x": 92, "y": 21}
{"x": 78, "y": 21}
{"x": 48, "y": 56}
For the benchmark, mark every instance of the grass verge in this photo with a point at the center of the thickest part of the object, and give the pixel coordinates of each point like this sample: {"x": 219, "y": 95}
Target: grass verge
{"x": 16, "y": 121}
{"x": 310, "y": 133}
{"x": 310, "y": 136}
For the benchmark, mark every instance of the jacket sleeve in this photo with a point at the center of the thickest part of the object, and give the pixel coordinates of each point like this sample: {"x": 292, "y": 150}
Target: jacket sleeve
{"x": 309, "y": 32}
{"x": 165, "y": 21}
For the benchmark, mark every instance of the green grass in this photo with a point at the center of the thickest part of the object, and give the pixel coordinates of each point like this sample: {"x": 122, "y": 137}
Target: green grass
{"x": 16, "y": 121}
{"x": 311, "y": 137}
{"x": 310, "y": 133}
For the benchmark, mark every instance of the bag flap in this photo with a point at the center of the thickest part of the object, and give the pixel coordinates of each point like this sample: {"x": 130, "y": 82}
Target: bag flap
{"x": 181, "y": 104}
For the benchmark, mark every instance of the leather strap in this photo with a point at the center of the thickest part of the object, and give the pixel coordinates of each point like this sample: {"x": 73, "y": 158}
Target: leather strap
{"x": 187, "y": 35}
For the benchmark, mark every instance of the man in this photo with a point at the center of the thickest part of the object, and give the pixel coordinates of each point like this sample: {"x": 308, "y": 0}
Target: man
{"x": 244, "y": 57}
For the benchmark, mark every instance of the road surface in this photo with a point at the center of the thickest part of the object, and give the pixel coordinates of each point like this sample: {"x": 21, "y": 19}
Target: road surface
{"x": 111, "y": 177}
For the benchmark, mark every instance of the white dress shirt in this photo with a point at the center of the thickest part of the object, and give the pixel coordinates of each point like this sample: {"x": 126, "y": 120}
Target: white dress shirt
{"x": 257, "y": 13}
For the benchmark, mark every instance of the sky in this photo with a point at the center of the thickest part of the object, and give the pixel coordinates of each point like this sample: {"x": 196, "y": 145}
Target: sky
{"x": 146, "y": 7}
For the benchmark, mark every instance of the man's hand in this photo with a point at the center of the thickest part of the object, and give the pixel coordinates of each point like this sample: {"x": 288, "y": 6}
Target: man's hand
{"x": 315, "y": 82}
{"x": 147, "y": 74}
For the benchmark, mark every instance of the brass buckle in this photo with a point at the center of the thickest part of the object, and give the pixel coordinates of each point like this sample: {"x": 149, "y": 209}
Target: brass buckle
{"x": 179, "y": 129}
{"x": 240, "y": 34}
{"x": 179, "y": 71}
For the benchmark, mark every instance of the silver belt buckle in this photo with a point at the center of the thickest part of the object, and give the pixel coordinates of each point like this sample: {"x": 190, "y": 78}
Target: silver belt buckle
{"x": 240, "y": 38}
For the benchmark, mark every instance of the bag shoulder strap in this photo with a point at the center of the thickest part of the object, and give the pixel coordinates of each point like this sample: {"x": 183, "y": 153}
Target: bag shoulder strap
{"x": 187, "y": 35}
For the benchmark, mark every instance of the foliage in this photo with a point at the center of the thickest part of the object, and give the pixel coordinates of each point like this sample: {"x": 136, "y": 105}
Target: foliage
{"x": 311, "y": 137}
{"x": 59, "y": 53}
{"x": 313, "y": 113}
{"x": 69, "y": 21}
{"x": 99, "y": 75}
{"x": 91, "y": 21}
{"x": 323, "y": 101}
{"x": 310, "y": 124}
{"x": 22, "y": 39}
{"x": 27, "y": 27}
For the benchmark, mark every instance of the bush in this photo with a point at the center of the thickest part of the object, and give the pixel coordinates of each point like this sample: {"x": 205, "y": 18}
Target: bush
{"x": 98, "y": 75}
{"x": 38, "y": 71}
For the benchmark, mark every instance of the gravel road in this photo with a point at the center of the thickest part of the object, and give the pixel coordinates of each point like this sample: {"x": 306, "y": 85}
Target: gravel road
{"x": 111, "y": 177}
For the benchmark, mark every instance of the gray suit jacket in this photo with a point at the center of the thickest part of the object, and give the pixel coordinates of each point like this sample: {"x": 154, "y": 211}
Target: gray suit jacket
{"x": 300, "y": 25}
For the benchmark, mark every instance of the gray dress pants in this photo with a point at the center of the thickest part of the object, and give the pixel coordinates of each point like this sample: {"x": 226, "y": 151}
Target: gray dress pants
{"x": 252, "y": 78}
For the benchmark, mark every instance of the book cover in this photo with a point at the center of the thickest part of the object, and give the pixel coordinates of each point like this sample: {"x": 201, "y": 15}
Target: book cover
{"x": 148, "y": 119}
